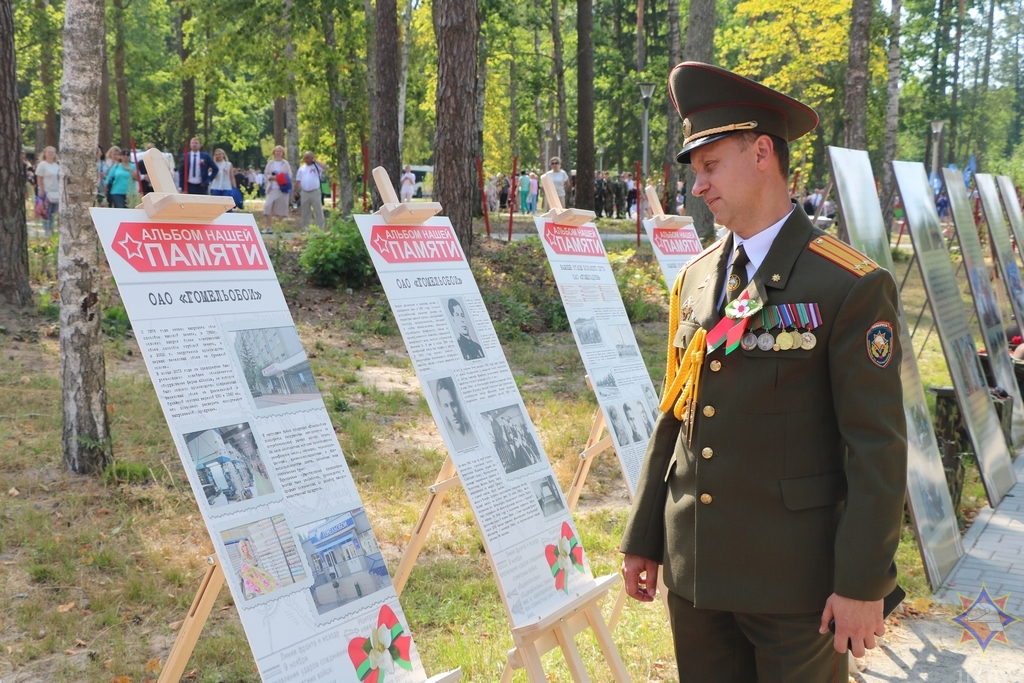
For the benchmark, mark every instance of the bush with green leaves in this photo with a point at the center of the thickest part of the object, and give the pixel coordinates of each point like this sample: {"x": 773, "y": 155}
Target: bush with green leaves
{"x": 337, "y": 256}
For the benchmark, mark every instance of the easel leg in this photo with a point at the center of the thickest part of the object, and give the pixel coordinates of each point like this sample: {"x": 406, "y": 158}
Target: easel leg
{"x": 446, "y": 478}
{"x": 620, "y": 603}
{"x": 607, "y": 645}
{"x": 198, "y": 613}
{"x": 531, "y": 662}
{"x": 594, "y": 447}
{"x": 572, "y": 655}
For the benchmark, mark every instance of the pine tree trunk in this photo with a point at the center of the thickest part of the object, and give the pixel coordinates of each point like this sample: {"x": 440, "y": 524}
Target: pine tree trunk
{"x": 455, "y": 29}
{"x": 279, "y": 122}
{"x": 86, "y": 434}
{"x": 986, "y": 68}
{"x": 672, "y": 146}
{"x": 585, "y": 105}
{"x": 120, "y": 81}
{"x": 345, "y": 197}
{"x": 641, "y": 42}
{"x": 954, "y": 114}
{"x": 106, "y": 134}
{"x": 406, "y": 39}
{"x": 370, "y": 27}
{"x": 188, "y": 84}
{"x": 479, "y": 102}
{"x": 385, "y": 124}
{"x": 539, "y": 107}
{"x": 14, "y": 283}
{"x": 565, "y": 153}
{"x": 700, "y": 47}
{"x": 856, "y": 114}
{"x": 892, "y": 113}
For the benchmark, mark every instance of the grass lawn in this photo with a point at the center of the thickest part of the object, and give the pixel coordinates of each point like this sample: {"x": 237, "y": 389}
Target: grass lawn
{"x": 96, "y": 575}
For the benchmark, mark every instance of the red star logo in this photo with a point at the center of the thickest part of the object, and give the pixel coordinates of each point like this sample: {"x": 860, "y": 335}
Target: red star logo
{"x": 380, "y": 244}
{"x": 131, "y": 247}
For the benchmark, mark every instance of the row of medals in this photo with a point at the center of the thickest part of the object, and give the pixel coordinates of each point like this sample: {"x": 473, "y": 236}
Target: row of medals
{"x": 784, "y": 341}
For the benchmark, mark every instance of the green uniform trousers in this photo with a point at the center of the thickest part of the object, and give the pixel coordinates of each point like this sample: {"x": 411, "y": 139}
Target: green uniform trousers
{"x": 729, "y": 647}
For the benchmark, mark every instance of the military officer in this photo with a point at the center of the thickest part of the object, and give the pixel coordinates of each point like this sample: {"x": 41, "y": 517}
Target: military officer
{"x": 772, "y": 491}
{"x": 609, "y": 194}
{"x": 599, "y": 191}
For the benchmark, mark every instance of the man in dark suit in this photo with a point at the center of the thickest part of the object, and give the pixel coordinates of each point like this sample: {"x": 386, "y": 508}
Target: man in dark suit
{"x": 772, "y": 490}
{"x": 197, "y": 169}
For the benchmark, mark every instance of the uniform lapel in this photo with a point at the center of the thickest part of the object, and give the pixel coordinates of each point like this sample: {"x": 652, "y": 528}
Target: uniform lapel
{"x": 705, "y": 306}
{"x": 778, "y": 263}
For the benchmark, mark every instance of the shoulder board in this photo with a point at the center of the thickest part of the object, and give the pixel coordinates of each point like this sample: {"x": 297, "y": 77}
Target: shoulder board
{"x": 842, "y": 254}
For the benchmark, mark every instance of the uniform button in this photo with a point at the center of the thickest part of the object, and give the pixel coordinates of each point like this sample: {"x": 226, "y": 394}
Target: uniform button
{"x": 716, "y": 365}
{"x": 707, "y": 453}
{"x": 705, "y": 498}
{"x": 709, "y": 411}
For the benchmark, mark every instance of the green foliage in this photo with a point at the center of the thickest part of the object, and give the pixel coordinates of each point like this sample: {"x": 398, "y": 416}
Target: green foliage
{"x": 48, "y": 308}
{"x": 642, "y": 286}
{"x": 127, "y": 472}
{"x": 337, "y": 256}
{"x": 115, "y": 321}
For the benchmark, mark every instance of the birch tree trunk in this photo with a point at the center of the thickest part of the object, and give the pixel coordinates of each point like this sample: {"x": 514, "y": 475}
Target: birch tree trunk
{"x": 86, "y": 433}
{"x": 334, "y": 92}
{"x": 700, "y": 47}
{"x": 585, "y": 105}
{"x": 856, "y": 106}
{"x": 892, "y": 113}
{"x": 565, "y": 153}
{"x": 672, "y": 146}
{"x": 14, "y": 283}
{"x": 406, "y": 39}
{"x": 455, "y": 29}
{"x": 385, "y": 122}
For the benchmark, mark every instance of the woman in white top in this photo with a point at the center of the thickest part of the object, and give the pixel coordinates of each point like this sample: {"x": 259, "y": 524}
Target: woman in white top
{"x": 48, "y": 187}
{"x": 225, "y": 179}
{"x": 276, "y": 203}
{"x": 102, "y": 168}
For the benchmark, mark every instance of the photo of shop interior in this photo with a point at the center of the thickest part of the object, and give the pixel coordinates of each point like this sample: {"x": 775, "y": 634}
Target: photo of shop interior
{"x": 346, "y": 562}
{"x": 229, "y": 464}
{"x": 275, "y": 366}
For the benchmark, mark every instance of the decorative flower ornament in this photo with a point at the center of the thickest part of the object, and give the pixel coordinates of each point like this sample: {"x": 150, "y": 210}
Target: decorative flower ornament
{"x": 565, "y": 554}
{"x": 387, "y": 646}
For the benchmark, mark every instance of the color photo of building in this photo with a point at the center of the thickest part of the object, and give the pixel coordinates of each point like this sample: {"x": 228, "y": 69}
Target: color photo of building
{"x": 275, "y": 366}
{"x": 346, "y": 562}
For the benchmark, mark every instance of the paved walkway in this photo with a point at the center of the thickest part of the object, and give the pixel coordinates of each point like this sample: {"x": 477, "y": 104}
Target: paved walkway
{"x": 993, "y": 553}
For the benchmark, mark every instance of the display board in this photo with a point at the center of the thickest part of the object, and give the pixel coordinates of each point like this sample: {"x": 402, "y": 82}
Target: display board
{"x": 930, "y": 504}
{"x": 985, "y": 304}
{"x": 528, "y": 531}
{"x": 673, "y": 247}
{"x": 949, "y": 314}
{"x": 259, "y": 450}
{"x": 1013, "y": 209}
{"x": 1002, "y": 246}
{"x": 605, "y": 339}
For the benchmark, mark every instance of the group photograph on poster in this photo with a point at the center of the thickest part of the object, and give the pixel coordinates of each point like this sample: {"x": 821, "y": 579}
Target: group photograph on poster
{"x": 274, "y": 366}
{"x": 229, "y": 465}
{"x": 343, "y": 555}
{"x": 549, "y": 495}
{"x": 510, "y": 438}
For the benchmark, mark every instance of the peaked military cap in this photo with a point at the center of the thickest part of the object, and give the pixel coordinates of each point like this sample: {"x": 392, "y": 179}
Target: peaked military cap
{"x": 714, "y": 103}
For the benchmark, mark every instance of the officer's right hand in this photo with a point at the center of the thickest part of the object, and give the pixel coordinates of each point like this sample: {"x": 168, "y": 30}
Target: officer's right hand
{"x": 641, "y": 577}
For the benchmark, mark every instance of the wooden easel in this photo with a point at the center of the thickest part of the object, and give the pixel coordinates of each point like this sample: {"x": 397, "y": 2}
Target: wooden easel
{"x": 662, "y": 219}
{"x": 164, "y": 203}
{"x": 559, "y": 628}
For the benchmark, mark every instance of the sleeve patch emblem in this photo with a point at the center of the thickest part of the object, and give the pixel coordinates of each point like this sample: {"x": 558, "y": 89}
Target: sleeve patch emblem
{"x": 879, "y": 341}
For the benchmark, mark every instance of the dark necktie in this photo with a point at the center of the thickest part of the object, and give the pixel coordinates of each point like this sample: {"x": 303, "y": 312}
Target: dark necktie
{"x": 737, "y": 281}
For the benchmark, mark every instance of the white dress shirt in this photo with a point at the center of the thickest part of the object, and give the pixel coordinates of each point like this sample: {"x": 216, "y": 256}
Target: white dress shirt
{"x": 756, "y": 247}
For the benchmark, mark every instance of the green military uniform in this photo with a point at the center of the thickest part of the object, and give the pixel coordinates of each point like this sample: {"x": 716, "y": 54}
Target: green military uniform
{"x": 599, "y": 191}
{"x": 609, "y": 195}
{"x": 620, "y": 197}
{"x": 783, "y": 480}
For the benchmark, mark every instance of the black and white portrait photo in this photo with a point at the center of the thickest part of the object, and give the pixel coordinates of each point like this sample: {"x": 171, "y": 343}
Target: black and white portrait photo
{"x": 644, "y": 420}
{"x": 652, "y": 401}
{"x": 465, "y": 334}
{"x": 634, "y": 423}
{"x": 621, "y": 431}
{"x": 454, "y": 419}
{"x": 511, "y": 438}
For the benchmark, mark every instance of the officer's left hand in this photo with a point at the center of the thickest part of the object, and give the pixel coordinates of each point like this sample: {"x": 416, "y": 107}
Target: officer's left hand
{"x": 857, "y": 621}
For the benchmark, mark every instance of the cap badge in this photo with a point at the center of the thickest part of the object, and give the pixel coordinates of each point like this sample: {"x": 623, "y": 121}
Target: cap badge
{"x": 687, "y": 128}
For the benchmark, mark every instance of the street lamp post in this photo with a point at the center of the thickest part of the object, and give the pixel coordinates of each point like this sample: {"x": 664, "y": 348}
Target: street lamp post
{"x": 646, "y": 91}
{"x": 937, "y": 127}
{"x": 600, "y": 150}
